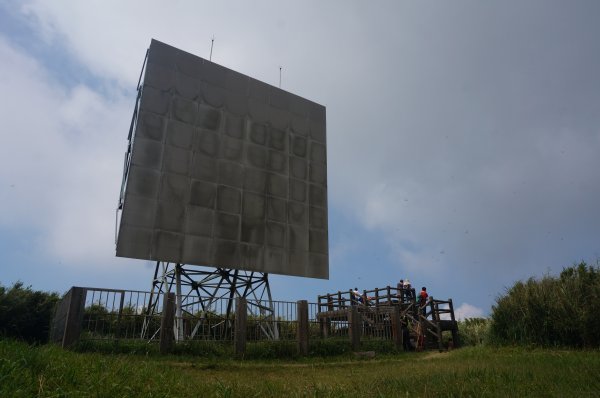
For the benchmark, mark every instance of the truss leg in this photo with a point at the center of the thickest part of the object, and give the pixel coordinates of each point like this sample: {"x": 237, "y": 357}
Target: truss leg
{"x": 152, "y": 308}
{"x": 206, "y": 298}
{"x": 179, "y": 309}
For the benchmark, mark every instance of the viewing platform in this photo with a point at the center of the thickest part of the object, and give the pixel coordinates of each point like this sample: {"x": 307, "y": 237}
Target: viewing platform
{"x": 389, "y": 313}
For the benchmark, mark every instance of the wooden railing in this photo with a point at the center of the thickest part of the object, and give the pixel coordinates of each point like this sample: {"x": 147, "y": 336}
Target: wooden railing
{"x": 377, "y": 297}
{"x": 430, "y": 319}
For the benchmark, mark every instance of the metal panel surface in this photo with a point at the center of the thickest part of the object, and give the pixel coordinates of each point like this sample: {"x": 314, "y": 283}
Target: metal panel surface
{"x": 225, "y": 171}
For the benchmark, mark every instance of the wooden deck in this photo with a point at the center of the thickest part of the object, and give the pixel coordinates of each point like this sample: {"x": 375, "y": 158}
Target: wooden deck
{"x": 388, "y": 313}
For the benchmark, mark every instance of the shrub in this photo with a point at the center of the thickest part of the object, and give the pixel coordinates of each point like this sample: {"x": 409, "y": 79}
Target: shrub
{"x": 473, "y": 331}
{"x": 26, "y": 314}
{"x": 551, "y": 311}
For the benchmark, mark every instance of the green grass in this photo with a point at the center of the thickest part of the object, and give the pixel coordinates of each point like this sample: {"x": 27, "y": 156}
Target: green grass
{"x": 48, "y": 371}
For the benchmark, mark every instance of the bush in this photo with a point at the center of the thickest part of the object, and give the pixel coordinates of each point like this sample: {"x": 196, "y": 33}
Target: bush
{"x": 473, "y": 331}
{"x": 551, "y": 311}
{"x": 26, "y": 314}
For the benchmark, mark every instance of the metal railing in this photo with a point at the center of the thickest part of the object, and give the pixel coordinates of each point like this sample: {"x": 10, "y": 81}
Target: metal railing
{"x": 111, "y": 314}
{"x": 116, "y": 314}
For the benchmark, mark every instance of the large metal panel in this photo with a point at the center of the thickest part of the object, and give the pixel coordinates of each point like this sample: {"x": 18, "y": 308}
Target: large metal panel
{"x": 225, "y": 171}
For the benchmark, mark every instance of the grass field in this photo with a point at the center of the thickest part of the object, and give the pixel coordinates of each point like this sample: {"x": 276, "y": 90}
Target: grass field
{"x": 48, "y": 371}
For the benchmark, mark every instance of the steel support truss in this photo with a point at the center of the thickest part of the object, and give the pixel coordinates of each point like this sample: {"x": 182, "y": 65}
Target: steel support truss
{"x": 205, "y": 299}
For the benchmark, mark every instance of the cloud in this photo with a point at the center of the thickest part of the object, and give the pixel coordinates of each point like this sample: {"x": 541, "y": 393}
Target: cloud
{"x": 466, "y": 310}
{"x": 64, "y": 147}
{"x": 463, "y": 136}
{"x": 477, "y": 161}
{"x": 247, "y": 34}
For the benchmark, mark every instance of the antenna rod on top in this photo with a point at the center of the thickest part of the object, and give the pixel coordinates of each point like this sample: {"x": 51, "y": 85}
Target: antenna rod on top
{"x": 280, "y": 77}
{"x": 212, "y": 42}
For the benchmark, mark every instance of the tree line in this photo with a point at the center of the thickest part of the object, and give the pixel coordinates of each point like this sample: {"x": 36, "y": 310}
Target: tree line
{"x": 549, "y": 311}
{"x": 25, "y": 314}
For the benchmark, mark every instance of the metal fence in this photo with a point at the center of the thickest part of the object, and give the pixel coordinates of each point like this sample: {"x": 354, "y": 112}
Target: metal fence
{"x": 111, "y": 315}
{"x": 122, "y": 314}
{"x": 284, "y": 320}
{"x": 117, "y": 314}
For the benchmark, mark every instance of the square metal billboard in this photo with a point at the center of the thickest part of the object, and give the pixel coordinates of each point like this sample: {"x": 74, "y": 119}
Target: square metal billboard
{"x": 225, "y": 171}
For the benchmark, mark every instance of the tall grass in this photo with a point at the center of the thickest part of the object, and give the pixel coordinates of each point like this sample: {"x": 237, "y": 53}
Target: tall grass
{"x": 551, "y": 311}
{"x": 474, "y": 331}
{"x": 47, "y": 371}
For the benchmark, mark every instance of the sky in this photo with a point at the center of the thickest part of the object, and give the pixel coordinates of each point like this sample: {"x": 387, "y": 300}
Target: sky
{"x": 463, "y": 137}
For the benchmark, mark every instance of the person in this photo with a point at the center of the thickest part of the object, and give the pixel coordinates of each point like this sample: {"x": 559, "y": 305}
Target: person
{"x": 423, "y": 300}
{"x": 400, "y": 290}
{"x": 409, "y": 292}
{"x": 357, "y": 297}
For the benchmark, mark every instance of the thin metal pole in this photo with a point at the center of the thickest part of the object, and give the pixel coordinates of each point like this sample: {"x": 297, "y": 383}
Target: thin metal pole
{"x": 116, "y": 222}
{"x": 178, "y": 311}
{"x": 268, "y": 289}
{"x": 151, "y": 305}
{"x": 212, "y": 42}
{"x": 280, "y": 77}
{"x": 142, "y": 71}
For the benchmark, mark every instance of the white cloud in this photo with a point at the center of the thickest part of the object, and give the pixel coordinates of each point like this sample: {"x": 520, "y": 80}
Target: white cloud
{"x": 466, "y": 310}
{"x": 63, "y": 151}
{"x": 466, "y": 136}
{"x": 246, "y": 33}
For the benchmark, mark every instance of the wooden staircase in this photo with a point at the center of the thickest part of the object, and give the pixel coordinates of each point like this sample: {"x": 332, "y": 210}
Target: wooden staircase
{"x": 378, "y": 309}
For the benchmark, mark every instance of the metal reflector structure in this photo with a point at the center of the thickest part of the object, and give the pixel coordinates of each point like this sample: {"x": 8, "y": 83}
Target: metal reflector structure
{"x": 222, "y": 171}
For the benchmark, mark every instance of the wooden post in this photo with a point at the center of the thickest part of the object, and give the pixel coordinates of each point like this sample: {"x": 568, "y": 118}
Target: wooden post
{"x": 389, "y": 295}
{"x": 239, "y": 333}
{"x": 74, "y": 319}
{"x": 302, "y": 331}
{"x": 455, "y": 338}
{"x": 397, "y": 332}
{"x": 167, "y": 336}
{"x": 435, "y": 317}
{"x": 325, "y": 323}
{"x": 120, "y": 316}
{"x": 354, "y": 327}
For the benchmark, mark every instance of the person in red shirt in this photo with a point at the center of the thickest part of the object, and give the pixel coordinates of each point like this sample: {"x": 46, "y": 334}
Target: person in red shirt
{"x": 423, "y": 300}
